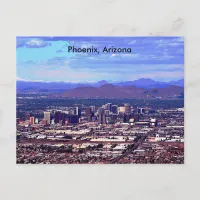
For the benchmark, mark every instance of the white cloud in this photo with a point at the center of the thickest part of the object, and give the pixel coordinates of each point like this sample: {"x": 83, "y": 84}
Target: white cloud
{"x": 132, "y": 42}
{"x": 37, "y": 43}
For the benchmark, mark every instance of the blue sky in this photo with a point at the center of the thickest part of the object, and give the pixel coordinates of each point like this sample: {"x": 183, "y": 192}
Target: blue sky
{"x": 47, "y": 59}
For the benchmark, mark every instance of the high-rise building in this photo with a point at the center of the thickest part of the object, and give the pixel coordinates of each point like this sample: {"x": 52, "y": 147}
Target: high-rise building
{"x": 127, "y": 108}
{"x": 102, "y": 119}
{"x": 73, "y": 119}
{"x": 32, "y": 120}
{"x": 109, "y": 106}
{"x": 63, "y": 118}
{"x": 87, "y": 111}
{"x": 127, "y": 117}
{"x": 94, "y": 119}
{"x": 100, "y": 110}
{"x": 90, "y": 117}
{"x": 107, "y": 112}
{"x": 47, "y": 117}
{"x": 57, "y": 117}
{"x": 52, "y": 121}
{"x": 76, "y": 110}
{"x": 79, "y": 112}
{"x": 92, "y": 108}
{"x": 121, "y": 109}
{"x": 136, "y": 117}
{"x": 36, "y": 120}
{"x": 141, "y": 110}
{"x": 114, "y": 109}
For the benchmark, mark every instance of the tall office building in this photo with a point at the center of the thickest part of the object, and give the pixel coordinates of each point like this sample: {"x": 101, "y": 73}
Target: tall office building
{"x": 47, "y": 117}
{"x": 136, "y": 117}
{"x": 114, "y": 109}
{"x": 90, "y": 117}
{"x": 127, "y": 108}
{"x": 141, "y": 110}
{"x": 57, "y": 117}
{"x": 109, "y": 106}
{"x": 121, "y": 109}
{"x": 77, "y": 111}
{"x": 87, "y": 111}
{"x": 63, "y": 118}
{"x": 127, "y": 117}
{"x": 107, "y": 112}
{"x": 100, "y": 110}
{"x": 92, "y": 108}
{"x": 73, "y": 119}
{"x": 36, "y": 120}
{"x": 102, "y": 118}
{"x": 32, "y": 120}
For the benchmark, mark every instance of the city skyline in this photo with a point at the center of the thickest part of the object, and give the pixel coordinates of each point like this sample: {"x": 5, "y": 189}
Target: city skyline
{"x": 47, "y": 59}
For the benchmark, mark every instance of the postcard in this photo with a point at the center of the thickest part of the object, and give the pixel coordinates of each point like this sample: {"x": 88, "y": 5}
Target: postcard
{"x": 100, "y": 100}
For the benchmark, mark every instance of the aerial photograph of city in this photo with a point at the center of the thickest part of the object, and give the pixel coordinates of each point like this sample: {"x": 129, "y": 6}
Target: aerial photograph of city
{"x": 100, "y": 100}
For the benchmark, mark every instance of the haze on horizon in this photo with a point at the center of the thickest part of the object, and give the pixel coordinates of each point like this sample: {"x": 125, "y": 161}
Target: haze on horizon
{"x": 47, "y": 59}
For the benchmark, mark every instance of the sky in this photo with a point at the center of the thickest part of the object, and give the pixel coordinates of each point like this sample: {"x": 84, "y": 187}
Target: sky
{"x": 48, "y": 59}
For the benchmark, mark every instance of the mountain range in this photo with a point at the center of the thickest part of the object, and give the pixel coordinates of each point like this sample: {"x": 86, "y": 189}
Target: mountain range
{"x": 143, "y": 83}
{"x": 112, "y": 91}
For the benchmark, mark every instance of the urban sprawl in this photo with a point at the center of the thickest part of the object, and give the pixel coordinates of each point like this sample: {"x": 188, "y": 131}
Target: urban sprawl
{"x": 104, "y": 134}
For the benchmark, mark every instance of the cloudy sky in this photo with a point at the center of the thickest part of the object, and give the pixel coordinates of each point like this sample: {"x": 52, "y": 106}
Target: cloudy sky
{"x": 47, "y": 59}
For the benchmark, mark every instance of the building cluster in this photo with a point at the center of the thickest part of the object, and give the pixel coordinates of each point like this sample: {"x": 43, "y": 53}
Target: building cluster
{"x": 107, "y": 114}
{"x": 106, "y": 134}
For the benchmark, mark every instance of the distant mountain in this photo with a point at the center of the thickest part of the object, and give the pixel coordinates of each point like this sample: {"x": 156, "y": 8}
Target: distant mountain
{"x": 146, "y": 83}
{"x": 179, "y": 83}
{"x": 112, "y": 91}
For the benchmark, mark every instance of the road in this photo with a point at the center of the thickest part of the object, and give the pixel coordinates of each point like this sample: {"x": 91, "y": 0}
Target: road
{"x": 135, "y": 146}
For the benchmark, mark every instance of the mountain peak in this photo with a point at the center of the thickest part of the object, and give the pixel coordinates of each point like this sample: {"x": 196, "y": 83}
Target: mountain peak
{"x": 102, "y": 82}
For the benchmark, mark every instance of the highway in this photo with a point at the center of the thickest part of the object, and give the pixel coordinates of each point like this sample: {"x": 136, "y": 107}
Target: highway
{"x": 134, "y": 146}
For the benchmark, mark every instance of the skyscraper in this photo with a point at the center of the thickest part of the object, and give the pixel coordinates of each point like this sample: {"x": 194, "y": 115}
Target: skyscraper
{"x": 121, "y": 109}
{"x": 87, "y": 111}
{"x": 114, "y": 109}
{"x": 57, "y": 117}
{"x": 141, "y": 110}
{"x": 36, "y": 120}
{"x": 109, "y": 106}
{"x": 73, "y": 119}
{"x": 100, "y": 110}
{"x": 127, "y": 108}
{"x": 76, "y": 110}
{"x": 63, "y": 118}
{"x": 107, "y": 112}
{"x": 90, "y": 117}
{"x": 47, "y": 117}
{"x": 102, "y": 119}
{"x": 136, "y": 117}
{"x": 92, "y": 108}
{"x": 32, "y": 120}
